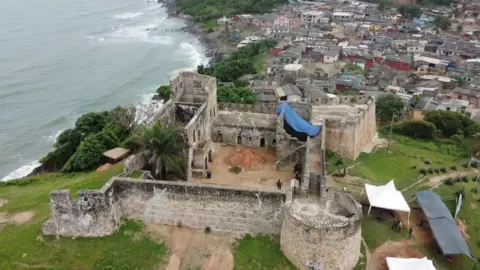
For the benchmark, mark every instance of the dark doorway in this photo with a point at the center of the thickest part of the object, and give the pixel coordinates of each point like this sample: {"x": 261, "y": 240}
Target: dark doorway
{"x": 274, "y": 142}
{"x": 239, "y": 140}
{"x": 206, "y": 163}
{"x": 219, "y": 137}
{"x": 193, "y": 166}
{"x": 210, "y": 158}
{"x": 262, "y": 142}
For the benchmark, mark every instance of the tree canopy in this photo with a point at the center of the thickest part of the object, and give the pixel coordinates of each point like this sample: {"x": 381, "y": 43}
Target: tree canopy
{"x": 411, "y": 11}
{"x": 167, "y": 147}
{"x": 389, "y": 105}
{"x": 442, "y": 22}
{"x": 452, "y": 123}
{"x": 211, "y": 9}
{"x": 235, "y": 95}
{"x": 239, "y": 63}
{"x": 164, "y": 91}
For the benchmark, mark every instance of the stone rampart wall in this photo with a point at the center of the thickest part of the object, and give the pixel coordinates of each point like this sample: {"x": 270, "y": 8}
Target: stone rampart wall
{"x": 348, "y": 138}
{"x": 221, "y": 208}
{"x": 266, "y": 108}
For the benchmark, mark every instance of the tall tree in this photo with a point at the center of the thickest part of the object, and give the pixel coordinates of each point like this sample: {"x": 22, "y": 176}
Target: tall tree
{"x": 167, "y": 148}
{"x": 388, "y": 106}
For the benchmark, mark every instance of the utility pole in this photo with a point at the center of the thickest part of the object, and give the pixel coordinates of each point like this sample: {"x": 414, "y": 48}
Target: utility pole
{"x": 390, "y": 134}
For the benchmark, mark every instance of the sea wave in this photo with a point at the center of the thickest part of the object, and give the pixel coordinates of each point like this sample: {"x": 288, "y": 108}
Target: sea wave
{"x": 142, "y": 33}
{"x": 194, "y": 53}
{"x": 52, "y": 138}
{"x": 22, "y": 171}
{"x": 147, "y": 108}
{"x": 128, "y": 15}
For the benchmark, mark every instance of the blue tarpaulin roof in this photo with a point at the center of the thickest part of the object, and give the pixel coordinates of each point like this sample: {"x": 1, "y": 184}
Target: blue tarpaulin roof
{"x": 442, "y": 224}
{"x": 296, "y": 121}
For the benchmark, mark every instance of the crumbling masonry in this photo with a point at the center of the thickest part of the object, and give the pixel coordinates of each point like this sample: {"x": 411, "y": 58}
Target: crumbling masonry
{"x": 320, "y": 225}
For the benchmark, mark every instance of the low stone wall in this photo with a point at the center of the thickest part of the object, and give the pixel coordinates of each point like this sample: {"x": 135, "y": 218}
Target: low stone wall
{"x": 92, "y": 214}
{"x": 221, "y": 208}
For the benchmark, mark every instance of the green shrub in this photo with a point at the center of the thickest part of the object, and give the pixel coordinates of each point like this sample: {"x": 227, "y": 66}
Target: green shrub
{"x": 450, "y": 123}
{"x": 465, "y": 165}
{"x": 461, "y": 191}
{"x": 436, "y": 170}
{"x": 414, "y": 167}
{"x": 423, "y": 171}
{"x": 453, "y": 168}
{"x": 430, "y": 170}
{"x": 475, "y": 190}
{"x": 474, "y": 164}
{"x": 339, "y": 162}
{"x": 416, "y": 129}
{"x": 464, "y": 179}
{"x": 448, "y": 182}
{"x": 443, "y": 170}
{"x": 458, "y": 179}
{"x": 235, "y": 169}
{"x": 474, "y": 179}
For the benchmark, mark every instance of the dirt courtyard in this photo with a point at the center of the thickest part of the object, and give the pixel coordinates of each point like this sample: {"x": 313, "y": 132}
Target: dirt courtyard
{"x": 194, "y": 249}
{"x": 264, "y": 175}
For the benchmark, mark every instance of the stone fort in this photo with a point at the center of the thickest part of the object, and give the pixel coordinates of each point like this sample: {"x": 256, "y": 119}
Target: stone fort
{"x": 318, "y": 224}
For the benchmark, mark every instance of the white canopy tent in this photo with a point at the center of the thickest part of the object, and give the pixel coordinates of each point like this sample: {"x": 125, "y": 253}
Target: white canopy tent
{"x": 387, "y": 197}
{"x": 409, "y": 264}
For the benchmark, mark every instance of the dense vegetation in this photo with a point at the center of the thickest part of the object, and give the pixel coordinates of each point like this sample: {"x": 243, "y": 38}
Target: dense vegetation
{"x": 166, "y": 146}
{"x": 164, "y": 92}
{"x": 452, "y": 123}
{"x": 239, "y": 63}
{"x": 416, "y": 129}
{"x": 211, "y": 9}
{"x": 81, "y": 148}
{"x": 389, "y": 106}
{"x": 235, "y": 94}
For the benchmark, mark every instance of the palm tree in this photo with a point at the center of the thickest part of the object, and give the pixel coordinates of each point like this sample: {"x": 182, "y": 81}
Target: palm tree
{"x": 166, "y": 146}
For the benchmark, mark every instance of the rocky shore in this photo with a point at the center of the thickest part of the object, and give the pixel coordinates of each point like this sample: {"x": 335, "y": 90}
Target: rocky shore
{"x": 212, "y": 47}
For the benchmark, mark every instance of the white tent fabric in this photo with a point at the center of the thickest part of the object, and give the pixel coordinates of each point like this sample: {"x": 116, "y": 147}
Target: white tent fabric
{"x": 409, "y": 264}
{"x": 387, "y": 197}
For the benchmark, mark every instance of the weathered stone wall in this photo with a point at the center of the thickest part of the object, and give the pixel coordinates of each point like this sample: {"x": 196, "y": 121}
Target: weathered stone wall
{"x": 222, "y": 208}
{"x": 265, "y": 108}
{"x": 92, "y": 214}
{"x": 330, "y": 244}
{"x": 348, "y": 135}
{"x": 166, "y": 114}
{"x": 245, "y": 128}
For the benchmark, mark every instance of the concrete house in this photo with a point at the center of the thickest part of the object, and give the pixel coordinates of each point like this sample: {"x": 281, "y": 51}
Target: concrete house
{"x": 470, "y": 95}
{"x": 311, "y": 16}
{"x": 289, "y": 92}
{"x": 342, "y": 16}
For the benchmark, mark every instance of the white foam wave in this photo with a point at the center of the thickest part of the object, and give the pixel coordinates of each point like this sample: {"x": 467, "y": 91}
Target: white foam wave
{"x": 142, "y": 33}
{"x": 128, "y": 15}
{"x": 147, "y": 108}
{"x": 53, "y": 137}
{"x": 22, "y": 171}
{"x": 194, "y": 53}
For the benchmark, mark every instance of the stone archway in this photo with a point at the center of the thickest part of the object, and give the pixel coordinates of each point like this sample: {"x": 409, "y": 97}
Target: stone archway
{"x": 206, "y": 163}
{"x": 210, "y": 157}
{"x": 262, "y": 142}
{"x": 219, "y": 137}
{"x": 239, "y": 140}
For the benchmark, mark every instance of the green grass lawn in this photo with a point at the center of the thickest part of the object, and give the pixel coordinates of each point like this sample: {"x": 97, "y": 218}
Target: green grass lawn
{"x": 136, "y": 174}
{"x": 209, "y": 24}
{"x": 404, "y": 153}
{"x": 260, "y": 253}
{"x": 22, "y": 246}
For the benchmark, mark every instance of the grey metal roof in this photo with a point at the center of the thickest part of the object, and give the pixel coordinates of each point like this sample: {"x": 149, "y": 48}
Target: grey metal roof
{"x": 442, "y": 224}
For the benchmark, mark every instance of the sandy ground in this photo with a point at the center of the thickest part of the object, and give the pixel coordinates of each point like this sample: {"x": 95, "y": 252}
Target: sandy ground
{"x": 16, "y": 218}
{"x": 194, "y": 249}
{"x": 3, "y": 202}
{"x": 399, "y": 249}
{"x": 265, "y": 177}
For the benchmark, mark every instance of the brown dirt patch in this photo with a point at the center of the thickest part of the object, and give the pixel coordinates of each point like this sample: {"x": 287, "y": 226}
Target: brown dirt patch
{"x": 22, "y": 217}
{"x": 3, "y": 202}
{"x": 399, "y": 249}
{"x": 473, "y": 206}
{"x": 194, "y": 249}
{"x": 16, "y": 218}
{"x": 246, "y": 159}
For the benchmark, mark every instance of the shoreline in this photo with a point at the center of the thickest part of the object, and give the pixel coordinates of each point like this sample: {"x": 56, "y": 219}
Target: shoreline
{"x": 210, "y": 46}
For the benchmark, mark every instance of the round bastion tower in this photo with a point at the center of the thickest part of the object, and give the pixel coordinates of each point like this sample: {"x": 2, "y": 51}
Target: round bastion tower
{"x": 323, "y": 232}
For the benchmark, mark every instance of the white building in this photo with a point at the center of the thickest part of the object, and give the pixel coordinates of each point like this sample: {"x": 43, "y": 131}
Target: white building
{"x": 342, "y": 16}
{"x": 312, "y": 16}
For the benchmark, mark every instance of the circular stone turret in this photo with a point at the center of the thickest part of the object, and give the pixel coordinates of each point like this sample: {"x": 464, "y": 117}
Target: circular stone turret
{"x": 325, "y": 233}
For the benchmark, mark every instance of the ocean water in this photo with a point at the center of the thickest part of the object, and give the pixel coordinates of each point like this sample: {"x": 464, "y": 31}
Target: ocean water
{"x": 62, "y": 58}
